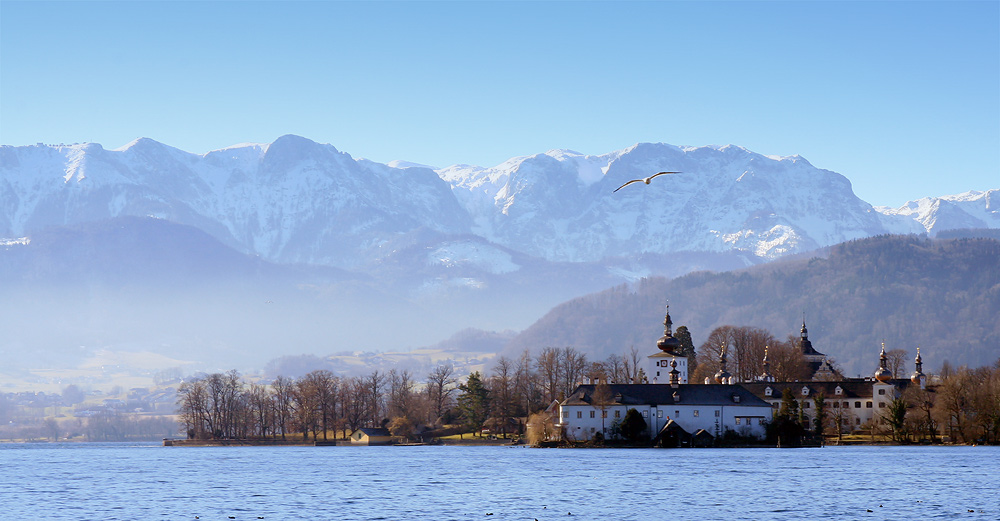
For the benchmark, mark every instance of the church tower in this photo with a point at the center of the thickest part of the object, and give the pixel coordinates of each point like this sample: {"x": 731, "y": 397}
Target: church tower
{"x": 814, "y": 359}
{"x": 669, "y": 357}
{"x": 918, "y": 373}
{"x": 883, "y": 374}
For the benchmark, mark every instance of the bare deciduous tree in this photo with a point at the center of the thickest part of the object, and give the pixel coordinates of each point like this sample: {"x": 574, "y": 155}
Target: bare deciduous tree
{"x": 440, "y": 386}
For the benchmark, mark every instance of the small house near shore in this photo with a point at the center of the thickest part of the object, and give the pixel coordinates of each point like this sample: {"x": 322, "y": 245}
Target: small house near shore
{"x": 369, "y": 436}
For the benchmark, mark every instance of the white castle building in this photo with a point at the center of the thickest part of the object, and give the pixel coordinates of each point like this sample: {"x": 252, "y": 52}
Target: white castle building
{"x": 673, "y": 413}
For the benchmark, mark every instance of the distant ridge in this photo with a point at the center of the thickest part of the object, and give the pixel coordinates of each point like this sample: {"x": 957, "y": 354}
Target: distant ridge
{"x": 941, "y": 295}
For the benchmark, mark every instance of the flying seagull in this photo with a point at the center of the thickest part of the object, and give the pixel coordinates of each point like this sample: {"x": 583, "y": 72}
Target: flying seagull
{"x": 646, "y": 180}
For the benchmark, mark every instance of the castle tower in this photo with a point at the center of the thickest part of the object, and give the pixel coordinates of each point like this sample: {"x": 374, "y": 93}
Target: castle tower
{"x": 667, "y": 343}
{"x": 883, "y": 374}
{"x": 918, "y": 374}
{"x": 668, "y": 357}
{"x": 813, "y": 357}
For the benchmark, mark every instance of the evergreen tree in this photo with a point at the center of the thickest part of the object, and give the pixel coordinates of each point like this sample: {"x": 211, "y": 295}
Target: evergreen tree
{"x": 633, "y": 426}
{"x": 785, "y": 428}
{"x": 895, "y": 418}
{"x": 474, "y": 402}
{"x": 819, "y": 422}
{"x": 687, "y": 349}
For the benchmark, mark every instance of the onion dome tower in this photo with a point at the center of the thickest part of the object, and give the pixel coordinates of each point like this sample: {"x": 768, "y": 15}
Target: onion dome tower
{"x": 918, "y": 373}
{"x": 667, "y": 343}
{"x": 883, "y": 374}
{"x": 804, "y": 343}
{"x": 722, "y": 377}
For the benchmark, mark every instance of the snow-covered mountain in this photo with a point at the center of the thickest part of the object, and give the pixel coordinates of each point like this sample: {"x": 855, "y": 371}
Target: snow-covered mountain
{"x": 972, "y": 209}
{"x": 256, "y": 251}
{"x": 559, "y": 205}
{"x": 290, "y": 201}
{"x": 297, "y": 201}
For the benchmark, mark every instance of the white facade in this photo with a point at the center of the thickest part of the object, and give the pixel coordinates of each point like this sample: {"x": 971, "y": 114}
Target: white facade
{"x": 714, "y": 408}
{"x": 658, "y": 368}
{"x": 854, "y": 403}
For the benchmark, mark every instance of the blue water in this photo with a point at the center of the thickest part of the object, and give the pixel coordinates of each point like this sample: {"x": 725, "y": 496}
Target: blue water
{"x": 118, "y": 481}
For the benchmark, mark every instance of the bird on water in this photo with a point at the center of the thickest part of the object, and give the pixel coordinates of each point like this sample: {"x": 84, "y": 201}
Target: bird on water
{"x": 644, "y": 180}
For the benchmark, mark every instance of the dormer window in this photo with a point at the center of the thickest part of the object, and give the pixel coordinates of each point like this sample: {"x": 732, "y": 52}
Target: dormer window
{"x": 838, "y": 390}
{"x": 736, "y": 398}
{"x": 805, "y": 391}
{"x": 768, "y": 391}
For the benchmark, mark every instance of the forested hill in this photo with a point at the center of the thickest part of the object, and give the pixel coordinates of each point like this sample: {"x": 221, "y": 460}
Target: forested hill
{"x": 942, "y": 295}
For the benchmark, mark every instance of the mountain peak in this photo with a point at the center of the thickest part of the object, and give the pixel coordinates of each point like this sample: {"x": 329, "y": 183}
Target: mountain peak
{"x": 139, "y": 143}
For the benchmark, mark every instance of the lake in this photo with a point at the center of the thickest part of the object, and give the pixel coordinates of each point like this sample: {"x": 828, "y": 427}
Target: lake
{"x": 139, "y": 481}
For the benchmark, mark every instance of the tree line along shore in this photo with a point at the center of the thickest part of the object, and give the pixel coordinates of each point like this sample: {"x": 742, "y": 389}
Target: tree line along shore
{"x": 514, "y": 399}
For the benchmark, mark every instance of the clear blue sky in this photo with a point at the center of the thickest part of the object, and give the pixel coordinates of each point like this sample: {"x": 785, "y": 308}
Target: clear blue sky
{"x": 903, "y": 98}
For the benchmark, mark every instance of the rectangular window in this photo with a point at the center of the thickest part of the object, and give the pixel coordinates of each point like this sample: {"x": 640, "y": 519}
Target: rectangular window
{"x": 847, "y": 405}
{"x": 836, "y": 405}
{"x": 659, "y": 414}
{"x": 604, "y": 414}
{"x": 677, "y": 414}
{"x": 738, "y": 420}
{"x": 618, "y": 414}
{"x": 592, "y": 413}
{"x": 717, "y": 413}
{"x": 579, "y": 414}
{"x": 645, "y": 414}
{"x": 857, "y": 405}
{"x": 881, "y": 405}
{"x": 805, "y": 405}
{"x": 696, "y": 413}
{"x": 868, "y": 405}
{"x": 881, "y": 391}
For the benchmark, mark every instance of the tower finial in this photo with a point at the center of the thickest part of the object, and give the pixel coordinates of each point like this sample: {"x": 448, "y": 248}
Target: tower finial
{"x": 668, "y": 325}
{"x": 918, "y": 374}
{"x": 722, "y": 376}
{"x": 883, "y": 374}
{"x": 667, "y": 343}
{"x": 766, "y": 377}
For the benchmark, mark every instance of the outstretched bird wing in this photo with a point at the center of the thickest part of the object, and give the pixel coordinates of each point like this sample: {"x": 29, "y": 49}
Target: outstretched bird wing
{"x": 628, "y": 183}
{"x": 646, "y": 180}
{"x": 660, "y": 173}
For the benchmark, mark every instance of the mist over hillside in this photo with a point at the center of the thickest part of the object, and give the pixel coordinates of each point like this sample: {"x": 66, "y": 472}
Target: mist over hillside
{"x": 940, "y": 295}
